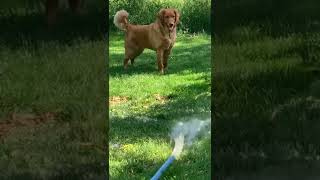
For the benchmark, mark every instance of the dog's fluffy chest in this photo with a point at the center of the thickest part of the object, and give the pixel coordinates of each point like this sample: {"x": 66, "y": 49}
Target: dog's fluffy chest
{"x": 162, "y": 39}
{"x": 168, "y": 41}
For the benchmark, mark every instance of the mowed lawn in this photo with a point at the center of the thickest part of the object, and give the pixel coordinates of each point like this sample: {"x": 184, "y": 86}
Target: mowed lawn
{"x": 145, "y": 105}
{"x": 266, "y": 105}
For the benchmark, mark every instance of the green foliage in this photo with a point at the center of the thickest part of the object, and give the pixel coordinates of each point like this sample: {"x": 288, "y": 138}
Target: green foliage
{"x": 195, "y": 14}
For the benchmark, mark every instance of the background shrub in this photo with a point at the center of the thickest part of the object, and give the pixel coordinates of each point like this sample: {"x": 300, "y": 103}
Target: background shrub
{"x": 195, "y": 14}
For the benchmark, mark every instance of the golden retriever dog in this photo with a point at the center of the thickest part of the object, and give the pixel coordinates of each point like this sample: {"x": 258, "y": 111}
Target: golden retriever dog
{"x": 159, "y": 36}
{"x": 52, "y": 9}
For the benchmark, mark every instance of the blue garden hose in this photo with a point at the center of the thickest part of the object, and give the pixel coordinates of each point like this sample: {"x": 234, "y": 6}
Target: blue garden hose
{"x": 163, "y": 168}
{"x": 178, "y": 135}
{"x": 178, "y": 146}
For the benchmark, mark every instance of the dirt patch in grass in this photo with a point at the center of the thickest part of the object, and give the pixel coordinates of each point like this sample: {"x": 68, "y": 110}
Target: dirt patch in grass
{"x": 161, "y": 99}
{"x": 115, "y": 100}
{"x": 17, "y": 120}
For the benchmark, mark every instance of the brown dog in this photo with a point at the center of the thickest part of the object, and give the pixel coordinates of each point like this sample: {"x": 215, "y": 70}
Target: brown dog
{"x": 159, "y": 36}
{"x": 52, "y": 9}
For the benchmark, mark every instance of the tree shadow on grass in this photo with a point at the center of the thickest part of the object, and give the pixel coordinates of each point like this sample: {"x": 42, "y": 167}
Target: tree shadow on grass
{"x": 181, "y": 59}
{"x": 134, "y": 128}
{"x": 187, "y": 102}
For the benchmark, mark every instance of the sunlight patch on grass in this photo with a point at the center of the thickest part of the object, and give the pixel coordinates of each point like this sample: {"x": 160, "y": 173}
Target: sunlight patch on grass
{"x": 148, "y": 153}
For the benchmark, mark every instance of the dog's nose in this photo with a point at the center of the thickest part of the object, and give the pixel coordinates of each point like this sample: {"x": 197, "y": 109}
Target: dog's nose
{"x": 171, "y": 24}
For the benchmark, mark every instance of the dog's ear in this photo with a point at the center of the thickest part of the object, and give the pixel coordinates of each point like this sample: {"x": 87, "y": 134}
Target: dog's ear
{"x": 160, "y": 15}
{"x": 177, "y": 18}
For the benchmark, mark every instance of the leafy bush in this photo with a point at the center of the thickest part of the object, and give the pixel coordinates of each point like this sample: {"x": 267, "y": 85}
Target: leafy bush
{"x": 195, "y": 14}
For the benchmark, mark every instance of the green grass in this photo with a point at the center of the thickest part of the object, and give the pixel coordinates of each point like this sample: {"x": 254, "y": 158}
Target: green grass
{"x": 62, "y": 72}
{"x": 140, "y": 125}
{"x": 266, "y": 106}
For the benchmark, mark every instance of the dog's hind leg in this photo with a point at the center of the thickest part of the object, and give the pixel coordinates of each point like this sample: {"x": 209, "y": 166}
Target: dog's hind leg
{"x": 125, "y": 62}
{"x": 136, "y": 54}
{"x": 131, "y": 54}
{"x": 132, "y": 61}
{"x": 127, "y": 56}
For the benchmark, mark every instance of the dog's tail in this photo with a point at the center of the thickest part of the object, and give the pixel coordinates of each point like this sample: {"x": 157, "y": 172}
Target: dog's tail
{"x": 121, "y": 20}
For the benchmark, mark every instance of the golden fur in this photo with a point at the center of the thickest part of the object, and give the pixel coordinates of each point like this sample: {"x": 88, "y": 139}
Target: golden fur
{"x": 159, "y": 36}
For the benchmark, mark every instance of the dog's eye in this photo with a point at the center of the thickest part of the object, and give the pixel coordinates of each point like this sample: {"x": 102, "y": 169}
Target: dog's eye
{"x": 167, "y": 16}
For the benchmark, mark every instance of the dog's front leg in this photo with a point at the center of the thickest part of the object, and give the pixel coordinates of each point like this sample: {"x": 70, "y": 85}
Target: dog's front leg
{"x": 166, "y": 57}
{"x": 125, "y": 63}
{"x": 160, "y": 60}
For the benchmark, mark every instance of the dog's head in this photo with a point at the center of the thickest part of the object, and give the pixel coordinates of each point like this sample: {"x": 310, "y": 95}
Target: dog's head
{"x": 169, "y": 18}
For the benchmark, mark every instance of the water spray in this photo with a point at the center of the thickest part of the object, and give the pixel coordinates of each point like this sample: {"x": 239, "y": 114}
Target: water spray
{"x": 181, "y": 132}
